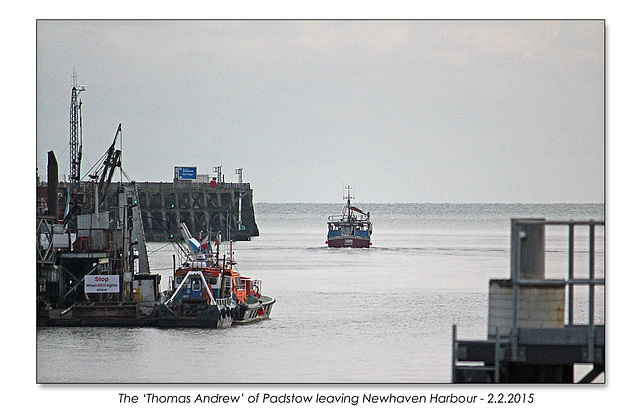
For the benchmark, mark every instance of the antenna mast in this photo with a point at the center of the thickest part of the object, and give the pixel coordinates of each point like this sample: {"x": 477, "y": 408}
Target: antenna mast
{"x": 348, "y": 198}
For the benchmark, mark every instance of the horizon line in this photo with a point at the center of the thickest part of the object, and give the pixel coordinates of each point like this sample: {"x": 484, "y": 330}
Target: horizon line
{"x": 444, "y": 203}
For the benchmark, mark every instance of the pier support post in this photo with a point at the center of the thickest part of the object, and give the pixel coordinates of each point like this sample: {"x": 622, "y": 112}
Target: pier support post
{"x": 527, "y": 261}
{"x": 527, "y": 249}
{"x": 52, "y": 186}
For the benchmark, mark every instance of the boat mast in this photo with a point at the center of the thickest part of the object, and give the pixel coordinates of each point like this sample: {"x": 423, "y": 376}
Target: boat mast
{"x": 348, "y": 188}
{"x": 233, "y": 279}
{"x": 239, "y": 173}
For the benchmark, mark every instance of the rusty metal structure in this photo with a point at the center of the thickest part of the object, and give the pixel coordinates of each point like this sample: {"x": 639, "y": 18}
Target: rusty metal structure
{"x": 94, "y": 243}
{"x": 89, "y": 241}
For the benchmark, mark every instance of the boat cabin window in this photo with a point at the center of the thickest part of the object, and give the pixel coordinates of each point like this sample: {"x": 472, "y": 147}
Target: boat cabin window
{"x": 213, "y": 280}
{"x": 196, "y": 285}
{"x": 179, "y": 280}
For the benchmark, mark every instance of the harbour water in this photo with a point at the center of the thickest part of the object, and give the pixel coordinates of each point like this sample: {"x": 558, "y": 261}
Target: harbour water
{"x": 378, "y": 315}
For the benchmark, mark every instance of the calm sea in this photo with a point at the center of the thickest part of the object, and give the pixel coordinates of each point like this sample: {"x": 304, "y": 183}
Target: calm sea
{"x": 378, "y": 315}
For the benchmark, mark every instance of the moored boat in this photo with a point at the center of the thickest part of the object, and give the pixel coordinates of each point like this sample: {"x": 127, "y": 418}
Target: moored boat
{"x": 208, "y": 292}
{"x": 200, "y": 293}
{"x": 193, "y": 303}
{"x": 353, "y": 228}
{"x": 252, "y": 305}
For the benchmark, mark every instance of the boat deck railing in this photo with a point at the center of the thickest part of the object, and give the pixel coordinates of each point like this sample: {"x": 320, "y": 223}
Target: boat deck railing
{"x": 343, "y": 219}
{"x": 224, "y": 301}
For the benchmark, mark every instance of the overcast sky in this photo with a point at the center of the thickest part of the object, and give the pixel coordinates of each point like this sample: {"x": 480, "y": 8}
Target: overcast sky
{"x": 403, "y": 111}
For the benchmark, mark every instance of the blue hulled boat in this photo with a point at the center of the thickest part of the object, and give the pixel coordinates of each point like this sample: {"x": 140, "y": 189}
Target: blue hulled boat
{"x": 353, "y": 228}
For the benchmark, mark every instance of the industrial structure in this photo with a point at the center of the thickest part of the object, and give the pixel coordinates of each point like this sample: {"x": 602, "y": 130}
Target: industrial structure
{"x": 207, "y": 205}
{"x": 75, "y": 132}
{"x": 91, "y": 256}
{"x": 532, "y": 335}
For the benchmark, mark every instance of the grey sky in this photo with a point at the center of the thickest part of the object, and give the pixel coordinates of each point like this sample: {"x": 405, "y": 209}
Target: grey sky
{"x": 403, "y": 111}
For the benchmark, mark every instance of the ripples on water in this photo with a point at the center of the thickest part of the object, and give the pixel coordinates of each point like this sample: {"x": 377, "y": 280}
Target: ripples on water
{"x": 380, "y": 315}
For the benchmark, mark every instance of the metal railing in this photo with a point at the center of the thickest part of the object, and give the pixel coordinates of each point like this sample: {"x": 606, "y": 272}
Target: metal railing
{"x": 497, "y": 341}
{"x": 517, "y": 235}
{"x": 528, "y": 258}
{"x": 224, "y": 301}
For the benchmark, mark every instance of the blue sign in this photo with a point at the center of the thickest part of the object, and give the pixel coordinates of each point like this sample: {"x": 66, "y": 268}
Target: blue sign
{"x": 187, "y": 173}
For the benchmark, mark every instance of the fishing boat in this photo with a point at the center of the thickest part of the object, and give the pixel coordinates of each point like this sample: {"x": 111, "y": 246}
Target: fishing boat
{"x": 352, "y": 228}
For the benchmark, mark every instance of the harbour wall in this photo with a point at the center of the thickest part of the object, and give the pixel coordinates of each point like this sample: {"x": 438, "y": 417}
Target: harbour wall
{"x": 204, "y": 207}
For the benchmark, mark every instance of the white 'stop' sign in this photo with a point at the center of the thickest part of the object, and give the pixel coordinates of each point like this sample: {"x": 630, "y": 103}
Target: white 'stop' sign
{"x": 101, "y": 283}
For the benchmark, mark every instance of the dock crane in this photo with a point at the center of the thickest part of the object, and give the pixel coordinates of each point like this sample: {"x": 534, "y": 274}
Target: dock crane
{"x": 75, "y": 149}
{"x": 110, "y": 163}
{"x": 75, "y": 132}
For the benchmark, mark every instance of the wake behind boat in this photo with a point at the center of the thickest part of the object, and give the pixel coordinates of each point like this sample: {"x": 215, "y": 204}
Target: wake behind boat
{"x": 353, "y": 228}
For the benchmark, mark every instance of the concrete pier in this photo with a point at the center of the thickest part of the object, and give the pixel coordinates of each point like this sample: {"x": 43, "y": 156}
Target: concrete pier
{"x": 204, "y": 207}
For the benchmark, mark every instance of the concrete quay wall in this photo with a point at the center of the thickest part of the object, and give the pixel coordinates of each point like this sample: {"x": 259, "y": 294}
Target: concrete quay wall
{"x": 225, "y": 207}
{"x": 204, "y": 207}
